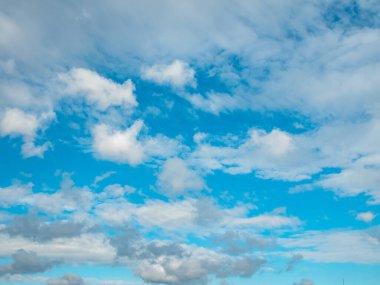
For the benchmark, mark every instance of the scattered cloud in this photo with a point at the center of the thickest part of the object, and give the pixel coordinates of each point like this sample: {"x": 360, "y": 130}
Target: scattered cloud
{"x": 26, "y": 262}
{"x": 101, "y": 92}
{"x": 33, "y": 227}
{"x": 118, "y": 146}
{"x": 176, "y": 74}
{"x": 17, "y": 123}
{"x": 177, "y": 178}
{"x": 335, "y": 246}
{"x": 366, "y": 217}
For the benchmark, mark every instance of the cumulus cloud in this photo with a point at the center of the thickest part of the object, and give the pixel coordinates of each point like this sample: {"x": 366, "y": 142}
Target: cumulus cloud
{"x": 196, "y": 267}
{"x": 118, "y": 146}
{"x": 33, "y": 227}
{"x": 26, "y": 262}
{"x": 69, "y": 197}
{"x": 366, "y": 217}
{"x": 97, "y": 90}
{"x": 269, "y": 154}
{"x": 177, "y": 178}
{"x": 116, "y": 191}
{"x": 176, "y": 74}
{"x": 18, "y": 123}
{"x": 12, "y": 195}
{"x": 88, "y": 248}
{"x": 128, "y": 146}
{"x": 361, "y": 176}
{"x": 162, "y": 261}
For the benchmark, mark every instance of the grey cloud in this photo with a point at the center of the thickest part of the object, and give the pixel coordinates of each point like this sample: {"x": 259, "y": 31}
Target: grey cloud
{"x": 207, "y": 212}
{"x": 296, "y": 258}
{"x": 162, "y": 261}
{"x": 242, "y": 267}
{"x": 33, "y": 227}
{"x": 196, "y": 268}
{"x": 67, "y": 279}
{"x": 235, "y": 242}
{"x": 26, "y": 262}
{"x": 132, "y": 245}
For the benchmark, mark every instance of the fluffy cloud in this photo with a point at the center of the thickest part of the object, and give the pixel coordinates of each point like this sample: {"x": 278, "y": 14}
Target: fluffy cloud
{"x": 26, "y": 262}
{"x": 97, "y": 90}
{"x": 362, "y": 176}
{"x": 33, "y": 227}
{"x": 176, "y": 178}
{"x": 12, "y": 195}
{"x": 68, "y": 198}
{"x": 84, "y": 249}
{"x": 196, "y": 267}
{"x": 269, "y": 154}
{"x": 177, "y": 74}
{"x": 366, "y": 217}
{"x": 128, "y": 146}
{"x": 18, "y": 123}
{"x": 118, "y": 146}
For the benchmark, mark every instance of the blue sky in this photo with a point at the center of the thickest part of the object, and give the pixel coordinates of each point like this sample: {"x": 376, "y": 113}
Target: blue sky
{"x": 189, "y": 142}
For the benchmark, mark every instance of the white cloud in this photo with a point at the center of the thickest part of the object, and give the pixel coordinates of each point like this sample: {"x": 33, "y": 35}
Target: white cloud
{"x": 354, "y": 246}
{"x": 12, "y": 195}
{"x": 195, "y": 266}
{"x": 69, "y": 197}
{"x": 216, "y": 103}
{"x": 177, "y": 74}
{"x": 366, "y": 217}
{"x": 97, "y": 90}
{"x": 84, "y": 249}
{"x": 362, "y": 176}
{"x": 284, "y": 156}
{"x": 177, "y": 178}
{"x": 116, "y": 191}
{"x": 18, "y": 123}
{"x": 118, "y": 146}
{"x": 202, "y": 216}
{"x": 128, "y": 146}
{"x": 269, "y": 221}
{"x": 270, "y": 154}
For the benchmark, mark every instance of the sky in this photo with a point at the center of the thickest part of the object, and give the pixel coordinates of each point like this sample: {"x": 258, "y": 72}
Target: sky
{"x": 190, "y": 142}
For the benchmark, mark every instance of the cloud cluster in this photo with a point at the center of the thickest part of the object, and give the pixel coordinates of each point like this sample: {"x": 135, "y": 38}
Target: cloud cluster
{"x": 33, "y": 227}
{"x": 26, "y": 262}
